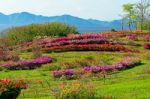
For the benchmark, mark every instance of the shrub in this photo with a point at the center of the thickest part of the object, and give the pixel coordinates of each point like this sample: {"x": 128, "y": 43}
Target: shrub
{"x": 75, "y": 90}
{"x": 10, "y": 89}
{"x": 30, "y": 64}
{"x": 68, "y": 73}
{"x": 147, "y": 45}
{"x": 87, "y": 47}
{"x": 133, "y": 37}
{"x": 27, "y": 33}
{"x": 36, "y": 50}
{"x": 113, "y": 30}
{"x": 147, "y": 55}
{"x": 126, "y": 63}
{"x": 1, "y": 54}
{"x": 147, "y": 38}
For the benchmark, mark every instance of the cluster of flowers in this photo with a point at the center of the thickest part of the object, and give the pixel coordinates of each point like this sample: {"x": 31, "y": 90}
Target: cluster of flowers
{"x": 10, "y": 89}
{"x": 28, "y": 64}
{"x": 87, "y": 47}
{"x": 72, "y": 39}
{"x": 147, "y": 38}
{"x": 87, "y": 35}
{"x": 67, "y": 72}
{"x": 1, "y": 53}
{"x": 123, "y": 64}
{"x": 147, "y": 45}
{"x": 81, "y": 42}
{"x": 133, "y": 37}
{"x": 74, "y": 90}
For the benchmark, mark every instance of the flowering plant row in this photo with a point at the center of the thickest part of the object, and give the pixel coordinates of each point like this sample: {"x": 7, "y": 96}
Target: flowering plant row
{"x": 67, "y": 72}
{"x": 147, "y": 45}
{"x": 74, "y": 37}
{"x": 10, "y": 89}
{"x": 133, "y": 37}
{"x": 123, "y": 64}
{"x": 82, "y": 41}
{"x": 75, "y": 90}
{"x": 87, "y": 47}
{"x": 29, "y": 64}
{"x": 1, "y": 53}
{"x": 147, "y": 38}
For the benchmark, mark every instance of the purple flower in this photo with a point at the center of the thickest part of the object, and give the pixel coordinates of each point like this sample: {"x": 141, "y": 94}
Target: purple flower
{"x": 123, "y": 64}
{"x": 28, "y": 63}
{"x": 68, "y": 72}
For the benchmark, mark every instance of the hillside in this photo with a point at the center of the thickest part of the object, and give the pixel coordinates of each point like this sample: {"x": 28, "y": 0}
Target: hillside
{"x": 115, "y": 64}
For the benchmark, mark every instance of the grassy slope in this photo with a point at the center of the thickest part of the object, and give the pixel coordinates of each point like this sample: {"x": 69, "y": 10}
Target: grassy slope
{"x": 132, "y": 84}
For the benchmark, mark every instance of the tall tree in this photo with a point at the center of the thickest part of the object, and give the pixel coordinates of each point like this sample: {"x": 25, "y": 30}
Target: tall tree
{"x": 142, "y": 10}
{"x": 129, "y": 14}
{"x": 123, "y": 17}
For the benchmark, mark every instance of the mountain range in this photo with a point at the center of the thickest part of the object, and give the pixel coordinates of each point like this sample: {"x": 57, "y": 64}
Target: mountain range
{"x": 83, "y": 25}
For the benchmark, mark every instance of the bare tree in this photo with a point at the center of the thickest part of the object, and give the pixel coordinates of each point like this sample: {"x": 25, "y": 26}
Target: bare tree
{"x": 142, "y": 10}
{"x": 122, "y": 21}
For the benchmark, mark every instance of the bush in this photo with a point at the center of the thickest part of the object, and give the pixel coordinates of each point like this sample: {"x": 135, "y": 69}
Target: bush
{"x": 113, "y": 30}
{"x": 36, "y": 50}
{"x": 27, "y": 33}
{"x": 28, "y": 64}
{"x": 11, "y": 89}
{"x": 75, "y": 90}
{"x": 147, "y": 45}
{"x": 146, "y": 25}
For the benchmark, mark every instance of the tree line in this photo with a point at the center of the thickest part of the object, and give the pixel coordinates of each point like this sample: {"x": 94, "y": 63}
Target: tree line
{"x": 137, "y": 15}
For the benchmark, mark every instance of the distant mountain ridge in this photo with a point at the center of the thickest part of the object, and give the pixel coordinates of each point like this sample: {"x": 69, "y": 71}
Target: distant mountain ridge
{"x": 83, "y": 25}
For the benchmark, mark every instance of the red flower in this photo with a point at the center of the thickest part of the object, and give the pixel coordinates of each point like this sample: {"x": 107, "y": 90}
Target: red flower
{"x": 147, "y": 45}
{"x": 5, "y": 81}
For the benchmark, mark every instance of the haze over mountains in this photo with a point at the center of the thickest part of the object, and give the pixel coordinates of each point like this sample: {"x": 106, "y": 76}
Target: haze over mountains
{"x": 83, "y": 25}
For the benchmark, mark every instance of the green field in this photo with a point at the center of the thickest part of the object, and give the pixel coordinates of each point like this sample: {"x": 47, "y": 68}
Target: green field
{"x": 132, "y": 83}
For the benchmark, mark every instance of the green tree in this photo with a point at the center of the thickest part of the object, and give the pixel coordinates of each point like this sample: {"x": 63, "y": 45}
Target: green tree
{"x": 129, "y": 14}
{"x": 143, "y": 11}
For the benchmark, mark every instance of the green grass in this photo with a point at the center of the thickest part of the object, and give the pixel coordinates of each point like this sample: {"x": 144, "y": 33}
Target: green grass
{"x": 128, "y": 84}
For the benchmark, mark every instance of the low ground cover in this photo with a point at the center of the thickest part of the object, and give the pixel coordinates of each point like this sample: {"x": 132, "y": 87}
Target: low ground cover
{"x": 123, "y": 82}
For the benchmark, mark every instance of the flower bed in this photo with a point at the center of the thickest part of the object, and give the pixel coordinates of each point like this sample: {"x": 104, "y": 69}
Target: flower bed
{"x": 1, "y": 54}
{"x": 73, "y": 37}
{"x": 83, "y": 41}
{"x": 80, "y": 42}
{"x": 74, "y": 90}
{"x": 29, "y": 64}
{"x": 133, "y": 37}
{"x": 10, "y": 89}
{"x": 123, "y": 64}
{"x": 147, "y": 45}
{"x": 87, "y": 47}
{"x": 67, "y": 72}
{"x": 147, "y": 38}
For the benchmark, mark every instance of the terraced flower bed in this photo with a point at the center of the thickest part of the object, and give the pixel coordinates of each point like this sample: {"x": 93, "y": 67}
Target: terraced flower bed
{"x": 27, "y": 64}
{"x": 121, "y": 65}
{"x": 147, "y": 45}
{"x": 81, "y": 42}
{"x": 87, "y": 47}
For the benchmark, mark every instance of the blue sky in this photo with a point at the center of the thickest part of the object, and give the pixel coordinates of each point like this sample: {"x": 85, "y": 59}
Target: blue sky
{"x": 95, "y": 9}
